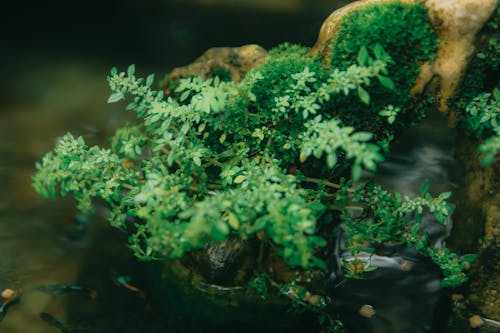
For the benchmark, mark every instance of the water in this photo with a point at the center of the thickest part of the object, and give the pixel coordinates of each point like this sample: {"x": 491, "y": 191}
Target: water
{"x": 404, "y": 290}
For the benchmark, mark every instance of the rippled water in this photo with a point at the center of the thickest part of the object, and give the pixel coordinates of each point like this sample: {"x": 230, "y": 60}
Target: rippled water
{"x": 404, "y": 291}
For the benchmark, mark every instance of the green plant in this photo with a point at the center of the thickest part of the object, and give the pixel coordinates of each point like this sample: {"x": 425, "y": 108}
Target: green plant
{"x": 233, "y": 159}
{"x": 484, "y": 68}
{"x": 482, "y": 118}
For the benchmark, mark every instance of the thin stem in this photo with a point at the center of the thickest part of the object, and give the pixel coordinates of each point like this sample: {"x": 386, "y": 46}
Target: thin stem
{"x": 321, "y": 182}
{"x": 128, "y": 186}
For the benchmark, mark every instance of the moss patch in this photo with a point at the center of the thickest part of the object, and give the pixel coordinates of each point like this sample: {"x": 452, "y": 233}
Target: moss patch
{"x": 483, "y": 73}
{"x": 406, "y": 34}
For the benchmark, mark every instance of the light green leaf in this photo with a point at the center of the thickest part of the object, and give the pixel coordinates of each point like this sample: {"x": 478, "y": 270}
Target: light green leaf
{"x": 115, "y": 97}
{"x": 363, "y": 95}
{"x": 239, "y": 179}
{"x": 363, "y": 56}
{"x": 131, "y": 70}
{"x": 424, "y": 188}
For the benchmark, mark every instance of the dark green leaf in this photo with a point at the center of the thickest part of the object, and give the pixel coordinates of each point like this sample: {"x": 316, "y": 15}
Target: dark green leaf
{"x": 425, "y": 187}
{"x": 488, "y": 159}
{"x": 469, "y": 257}
{"x": 363, "y": 56}
{"x": 386, "y": 82}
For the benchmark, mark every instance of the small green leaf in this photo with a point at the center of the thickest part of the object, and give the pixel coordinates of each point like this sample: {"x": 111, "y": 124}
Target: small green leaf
{"x": 425, "y": 187}
{"x": 379, "y": 51}
{"x": 115, "y": 97}
{"x": 362, "y": 136}
{"x": 113, "y": 71}
{"x": 197, "y": 160}
{"x": 184, "y": 95}
{"x": 386, "y": 82}
{"x": 303, "y": 157}
{"x": 363, "y": 56}
{"x": 233, "y": 221}
{"x": 445, "y": 195}
{"x": 131, "y": 70}
{"x": 331, "y": 160}
{"x": 222, "y": 138}
{"x": 150, "y": 79}
{"x": 496, "y": 94}
{"x": 363, "y": 95}
{"x": 239, "y": 179}
{"x": 356, "y": 172}
{"x": 469, "y": 257}
{"x": 487, "y": 160}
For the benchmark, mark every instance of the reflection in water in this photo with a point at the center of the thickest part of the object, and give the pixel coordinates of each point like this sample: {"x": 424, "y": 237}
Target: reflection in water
{"x": 404, "y": 290}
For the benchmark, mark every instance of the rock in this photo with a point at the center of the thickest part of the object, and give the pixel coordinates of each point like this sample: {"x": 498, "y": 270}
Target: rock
{"x": 224, "y": 263}
{"x": 331, "y": 25}
{"x": 456, "y": 23}
{"x": 229, "y": 63}
{"x": 367, "y": 311}
{"x": 476, "y": 321}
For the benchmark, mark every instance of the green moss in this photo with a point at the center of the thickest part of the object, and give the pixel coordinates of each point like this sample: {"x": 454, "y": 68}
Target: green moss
{"x": 483, "y": 72}
{"x": 405, "y": 33}
{"x": 222, "y": 73}
{"x": 283, "y": 61}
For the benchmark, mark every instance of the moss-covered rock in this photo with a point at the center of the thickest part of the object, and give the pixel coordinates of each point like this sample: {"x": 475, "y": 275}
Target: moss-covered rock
{"x": 403, "y": 29}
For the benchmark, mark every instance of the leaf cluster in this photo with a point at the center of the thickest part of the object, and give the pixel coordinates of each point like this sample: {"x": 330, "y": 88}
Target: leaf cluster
{"x": 230, "y": 159}
{"x": 482, "y": 118}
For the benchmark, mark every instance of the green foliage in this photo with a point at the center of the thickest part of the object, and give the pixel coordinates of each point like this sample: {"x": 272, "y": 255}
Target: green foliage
{"x": 483, "y": 70}
{"x": 230, "y": 159}
{"x": 395, "y": 218}
{"x": 259, "y": 283}
{"x": 404, "y": 31}
{"x": 191, "y": 173}
{"x": 482, "y": 118}
{"x": 391, "y": 113}
{"x": 326, "y": 137}
{"x": 304, "y": 94}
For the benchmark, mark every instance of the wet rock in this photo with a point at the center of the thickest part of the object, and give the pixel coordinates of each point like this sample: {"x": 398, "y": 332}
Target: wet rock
{"x": 224, "y": 263}
{"x": 476, "y": 321}
{"x": 457, "y": 23}
{"x": 478, "y": 219}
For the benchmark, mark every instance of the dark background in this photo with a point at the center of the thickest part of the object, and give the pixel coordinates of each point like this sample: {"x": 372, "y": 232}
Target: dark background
{"x": 153, "y": 34}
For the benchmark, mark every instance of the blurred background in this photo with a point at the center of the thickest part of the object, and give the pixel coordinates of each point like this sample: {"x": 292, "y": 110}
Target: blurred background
{"x": 54, "y": 59}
